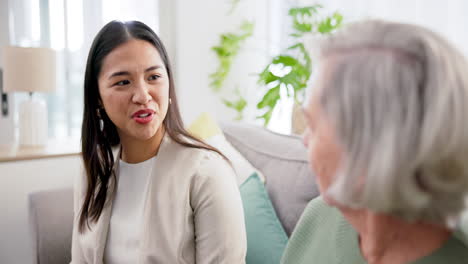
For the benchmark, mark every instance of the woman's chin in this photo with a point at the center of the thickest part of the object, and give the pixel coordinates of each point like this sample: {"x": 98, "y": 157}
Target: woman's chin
{"x": 145, "y": 135}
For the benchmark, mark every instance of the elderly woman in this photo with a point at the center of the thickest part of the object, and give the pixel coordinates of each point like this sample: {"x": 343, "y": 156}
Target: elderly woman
{"x": 388, "y": 139}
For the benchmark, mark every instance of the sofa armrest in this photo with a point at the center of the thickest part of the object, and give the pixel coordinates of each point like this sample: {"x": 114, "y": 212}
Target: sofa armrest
{"x": 51, "y": 223}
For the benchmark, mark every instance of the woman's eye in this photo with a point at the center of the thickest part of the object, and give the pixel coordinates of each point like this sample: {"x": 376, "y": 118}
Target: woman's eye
{"x": 153, "y": 77}
{"x": 121, "y": 83}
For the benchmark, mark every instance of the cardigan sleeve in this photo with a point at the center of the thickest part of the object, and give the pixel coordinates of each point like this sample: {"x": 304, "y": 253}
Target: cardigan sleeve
{"x": 220, "y": 235}
{"x": 76, "y": 251}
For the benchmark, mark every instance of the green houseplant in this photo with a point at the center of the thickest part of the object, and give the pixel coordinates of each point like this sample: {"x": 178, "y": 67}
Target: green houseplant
{"x": 227, "y": 49}
{"x": 294, "y": 63}
{"x": 229, "y": 46}
{"x": 290, "y": 70}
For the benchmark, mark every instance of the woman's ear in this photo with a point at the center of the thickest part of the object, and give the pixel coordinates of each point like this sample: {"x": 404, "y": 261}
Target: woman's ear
{"x": 100, "y": 104}
{"x": 100, "y": 108}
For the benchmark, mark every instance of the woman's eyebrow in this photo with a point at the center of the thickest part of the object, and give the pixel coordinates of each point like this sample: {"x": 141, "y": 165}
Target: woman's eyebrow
{"x": 155, "y": 67}
{"x": 120, "y": 73}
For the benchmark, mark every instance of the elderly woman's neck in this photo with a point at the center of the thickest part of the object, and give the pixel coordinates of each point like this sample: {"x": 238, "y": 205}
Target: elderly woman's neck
{"x": 387, "y": 239}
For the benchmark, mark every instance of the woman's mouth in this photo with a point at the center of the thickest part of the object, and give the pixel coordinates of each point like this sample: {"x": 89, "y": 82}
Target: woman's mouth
{"x": 143, "y": 116}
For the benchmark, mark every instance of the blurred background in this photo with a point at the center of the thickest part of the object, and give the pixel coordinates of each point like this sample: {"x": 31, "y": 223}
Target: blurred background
{"x": 189, "y": 31}
{"x": 221, "y": 52}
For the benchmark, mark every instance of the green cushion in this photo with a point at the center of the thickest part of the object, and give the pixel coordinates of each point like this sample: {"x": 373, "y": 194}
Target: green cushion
{"x": 266, "y": 238}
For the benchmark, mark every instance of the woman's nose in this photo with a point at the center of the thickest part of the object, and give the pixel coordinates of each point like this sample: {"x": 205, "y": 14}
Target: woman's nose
{"x": 141, "y": 94}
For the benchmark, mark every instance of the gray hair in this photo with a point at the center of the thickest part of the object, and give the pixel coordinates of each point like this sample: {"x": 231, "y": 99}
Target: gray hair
{"x": 397, "y": 96}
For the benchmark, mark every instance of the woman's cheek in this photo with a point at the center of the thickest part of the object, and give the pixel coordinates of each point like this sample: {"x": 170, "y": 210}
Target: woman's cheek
{"x": 325, "y": 157}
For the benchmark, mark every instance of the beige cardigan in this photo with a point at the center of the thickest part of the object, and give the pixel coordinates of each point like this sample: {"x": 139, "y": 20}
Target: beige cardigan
{"x": 193, "y": 212}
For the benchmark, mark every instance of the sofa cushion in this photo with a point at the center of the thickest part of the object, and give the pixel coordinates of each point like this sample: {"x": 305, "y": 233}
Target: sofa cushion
{"x": 207, "y": 129}
{"x": 282, "y": 159}
{"x": 266, "y": 238}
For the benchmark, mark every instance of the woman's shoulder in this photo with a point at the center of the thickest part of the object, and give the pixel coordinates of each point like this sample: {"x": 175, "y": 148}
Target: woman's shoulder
{"x": 208, "y": 160}
{"x": 212, "y": 170}
{"x": 212, "y": 164}
{"x": 206, "y": 163}
{"x": 318, "y": 214}
{"x": 314, "y": 237}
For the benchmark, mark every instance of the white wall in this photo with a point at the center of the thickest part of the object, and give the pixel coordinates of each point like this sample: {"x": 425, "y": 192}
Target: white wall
{"x": 448, "y": 18}
{"x": 196, "y": 27}
{"x": 18, "y": 179}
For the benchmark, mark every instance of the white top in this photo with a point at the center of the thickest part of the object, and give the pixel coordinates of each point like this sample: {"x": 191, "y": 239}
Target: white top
{"x": 126, "y": 220}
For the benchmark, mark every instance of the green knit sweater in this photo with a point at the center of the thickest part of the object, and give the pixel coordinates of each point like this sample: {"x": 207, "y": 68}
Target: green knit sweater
{"x": 323, "y": 236}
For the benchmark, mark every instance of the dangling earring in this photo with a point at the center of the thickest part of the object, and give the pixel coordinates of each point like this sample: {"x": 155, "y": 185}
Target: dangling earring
{"x": 101, "y": 121}
{"x": 170, "y": 100}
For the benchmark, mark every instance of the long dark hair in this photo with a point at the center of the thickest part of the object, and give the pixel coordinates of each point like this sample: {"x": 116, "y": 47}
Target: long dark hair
{"x": 96, "y": 144}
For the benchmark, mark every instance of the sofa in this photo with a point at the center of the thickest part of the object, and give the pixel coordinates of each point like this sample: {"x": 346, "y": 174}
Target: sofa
{"x": 282, "y": 159}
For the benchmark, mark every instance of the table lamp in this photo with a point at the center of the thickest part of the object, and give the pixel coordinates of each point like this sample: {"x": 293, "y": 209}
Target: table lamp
{"x": 30, "y": 70}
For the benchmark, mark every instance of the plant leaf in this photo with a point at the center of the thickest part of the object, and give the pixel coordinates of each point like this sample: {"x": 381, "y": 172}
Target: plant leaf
{"x": 238, "y": 105}
{"x": 266, "y": 116}
{"x": 229, "y": 46}
{"x": 270, "y": 97}
{"x": 267, "y": 77}
{"x": 330, "y": 23}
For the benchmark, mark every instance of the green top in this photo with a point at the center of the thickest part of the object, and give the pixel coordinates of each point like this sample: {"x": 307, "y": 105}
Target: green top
{"x": 322, "y": 235}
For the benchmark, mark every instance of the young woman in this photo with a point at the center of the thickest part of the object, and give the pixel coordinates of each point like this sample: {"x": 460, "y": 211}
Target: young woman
{"x": 150, "y": 193}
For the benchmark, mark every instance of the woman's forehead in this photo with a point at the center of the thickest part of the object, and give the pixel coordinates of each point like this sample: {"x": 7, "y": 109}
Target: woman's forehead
{"x": 131, "y": 56}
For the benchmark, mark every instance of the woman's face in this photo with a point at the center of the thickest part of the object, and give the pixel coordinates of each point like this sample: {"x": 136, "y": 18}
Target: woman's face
{"x": 134, "y": 88}
{"x": 324, "y": 152}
